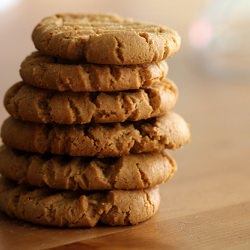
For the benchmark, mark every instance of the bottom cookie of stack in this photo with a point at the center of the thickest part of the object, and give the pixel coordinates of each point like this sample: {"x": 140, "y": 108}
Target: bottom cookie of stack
{"x": 113, "y": 191}
{"x": 77, "y": 209}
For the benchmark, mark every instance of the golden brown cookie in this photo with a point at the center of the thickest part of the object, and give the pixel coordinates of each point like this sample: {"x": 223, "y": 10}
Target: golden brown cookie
{"x": 104, "y": 39}
{"x": 77, "y": 209}
{"x": 134, "y": 171}
{"x": 37, "y": 105}
{"x": 101, "y": 140}
{"x": 52, "y": 73}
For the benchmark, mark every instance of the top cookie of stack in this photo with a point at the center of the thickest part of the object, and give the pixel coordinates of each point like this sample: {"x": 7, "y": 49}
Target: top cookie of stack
{"x": 104, "y": 39}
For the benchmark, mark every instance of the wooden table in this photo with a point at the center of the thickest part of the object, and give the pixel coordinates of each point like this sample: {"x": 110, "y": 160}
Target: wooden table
{"x": 207, "y": 203}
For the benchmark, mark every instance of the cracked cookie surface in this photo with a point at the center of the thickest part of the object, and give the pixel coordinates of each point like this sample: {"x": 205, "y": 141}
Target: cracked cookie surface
{"x": 37, "y": 105}
{"x": 134, "y": 171}
{"x": 101, "y": 140}
{"x": 77, "y": 209}
{"x": 104, "y": 39}
{"x": 52, "y": 73}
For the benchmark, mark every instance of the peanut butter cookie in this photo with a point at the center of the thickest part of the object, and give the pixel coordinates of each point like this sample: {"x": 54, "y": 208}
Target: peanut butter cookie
{"x": 77, "y": 209}
{"x": 37, "y": 105}
{"x": 101, "y": 140}
{"x": 134, "y": 171}
{"x": 104, "y": 39}
{"x": 48, "y": 72}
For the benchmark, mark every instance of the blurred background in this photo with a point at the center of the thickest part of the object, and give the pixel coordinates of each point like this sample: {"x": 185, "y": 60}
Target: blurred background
{"x": 211, "y": 70}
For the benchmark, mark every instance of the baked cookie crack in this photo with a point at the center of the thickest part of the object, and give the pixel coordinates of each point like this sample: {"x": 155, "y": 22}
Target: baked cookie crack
{"x": 119, "y": 50}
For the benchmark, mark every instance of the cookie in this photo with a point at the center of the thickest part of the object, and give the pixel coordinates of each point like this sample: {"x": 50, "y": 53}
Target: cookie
{"x": 134, "y": 171}
{"x": 52, "y": 73}
{"x": 104, "y": 39}
{"x": 77, "y": 209}
{"x": 101, "y": 140}
{"x": 32, "y": 104}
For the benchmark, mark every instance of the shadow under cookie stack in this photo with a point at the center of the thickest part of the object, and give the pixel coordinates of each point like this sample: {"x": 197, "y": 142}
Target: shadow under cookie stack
{"x": 90, "y": 123}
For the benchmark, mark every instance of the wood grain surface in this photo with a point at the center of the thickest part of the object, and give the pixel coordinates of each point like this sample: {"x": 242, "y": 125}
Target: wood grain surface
{"x": 207, "y": 203}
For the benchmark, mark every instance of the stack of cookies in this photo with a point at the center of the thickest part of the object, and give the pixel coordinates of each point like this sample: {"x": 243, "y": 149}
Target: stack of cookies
{"x": 90, "y": 123}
